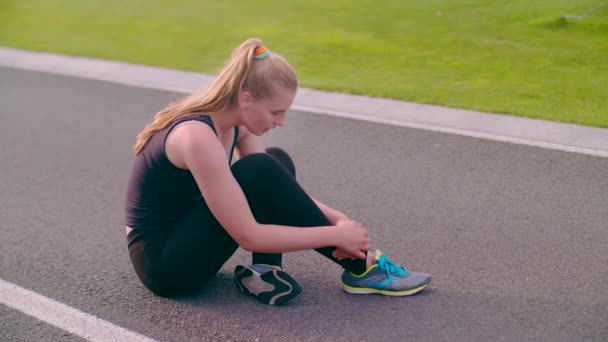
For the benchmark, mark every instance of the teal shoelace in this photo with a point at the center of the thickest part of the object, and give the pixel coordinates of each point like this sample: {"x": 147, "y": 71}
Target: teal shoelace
{"x": 391, "y": 267}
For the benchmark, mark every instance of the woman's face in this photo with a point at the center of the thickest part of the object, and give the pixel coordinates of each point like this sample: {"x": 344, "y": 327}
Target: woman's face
{"x": 262, "y": 115}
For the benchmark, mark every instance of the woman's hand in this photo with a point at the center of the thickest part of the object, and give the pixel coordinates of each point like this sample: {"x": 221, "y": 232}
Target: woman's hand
{"x": 341, "y": 254}
{"x": 353, "y": 242}
{"x": 338, "y": 253}
{"x": 341, "y": 218}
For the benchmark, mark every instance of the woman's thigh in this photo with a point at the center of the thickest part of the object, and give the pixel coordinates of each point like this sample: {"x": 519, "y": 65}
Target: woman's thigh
{"x": 193, "y": 251}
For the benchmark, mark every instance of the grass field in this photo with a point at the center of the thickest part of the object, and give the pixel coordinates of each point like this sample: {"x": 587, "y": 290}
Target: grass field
{"x": 514, "y": 57}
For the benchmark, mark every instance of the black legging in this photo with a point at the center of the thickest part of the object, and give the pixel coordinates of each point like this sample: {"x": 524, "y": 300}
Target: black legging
{"x": 190, "y": 254}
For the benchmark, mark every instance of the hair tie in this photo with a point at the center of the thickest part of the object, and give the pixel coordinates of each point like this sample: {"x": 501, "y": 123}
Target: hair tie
{"x": 261, "y": 52}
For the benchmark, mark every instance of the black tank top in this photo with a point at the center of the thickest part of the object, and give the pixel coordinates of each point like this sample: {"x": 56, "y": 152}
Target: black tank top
{"x": 159, "y": 193}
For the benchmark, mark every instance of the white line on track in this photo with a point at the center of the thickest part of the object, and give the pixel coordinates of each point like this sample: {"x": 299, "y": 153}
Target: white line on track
{"x": 64, "y": 317}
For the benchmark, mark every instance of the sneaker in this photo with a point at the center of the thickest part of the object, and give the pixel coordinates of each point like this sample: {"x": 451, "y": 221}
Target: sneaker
{"x": 269, "y": 284}
{"x": 385, "y": 277}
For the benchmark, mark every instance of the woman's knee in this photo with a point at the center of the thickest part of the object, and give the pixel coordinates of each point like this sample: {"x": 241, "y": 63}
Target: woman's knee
{"x": 283, "y": 158}
{"x": 258, "y": 166}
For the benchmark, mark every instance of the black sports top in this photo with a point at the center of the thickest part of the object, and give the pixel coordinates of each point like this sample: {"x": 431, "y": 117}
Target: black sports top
{"x": 159, "y": 193}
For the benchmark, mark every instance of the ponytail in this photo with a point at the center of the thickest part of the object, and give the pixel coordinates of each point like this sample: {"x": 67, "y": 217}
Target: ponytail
{"x": 251, "y": 67}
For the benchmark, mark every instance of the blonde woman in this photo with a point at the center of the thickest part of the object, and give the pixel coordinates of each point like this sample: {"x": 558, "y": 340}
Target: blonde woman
{"x": 188, "y": 209}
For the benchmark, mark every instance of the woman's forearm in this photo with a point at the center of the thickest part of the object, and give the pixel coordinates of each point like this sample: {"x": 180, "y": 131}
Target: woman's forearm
{"x": 269, "y": 238}
{"x": 332, "y": 214}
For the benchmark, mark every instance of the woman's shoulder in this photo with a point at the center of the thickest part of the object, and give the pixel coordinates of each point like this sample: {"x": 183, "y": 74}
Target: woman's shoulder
{"x": 187, "y": 137}
{"x": 191, "y": 129}
{"x": 189, "y": 125}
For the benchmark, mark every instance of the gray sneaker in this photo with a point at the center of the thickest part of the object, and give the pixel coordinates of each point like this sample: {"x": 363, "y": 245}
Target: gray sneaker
{"x": 269, "y": 284}
{"x": 385, "y": 277}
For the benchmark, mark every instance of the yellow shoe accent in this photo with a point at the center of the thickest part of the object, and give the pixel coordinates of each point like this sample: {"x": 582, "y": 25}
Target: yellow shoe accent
{"x": 369, "y": 290}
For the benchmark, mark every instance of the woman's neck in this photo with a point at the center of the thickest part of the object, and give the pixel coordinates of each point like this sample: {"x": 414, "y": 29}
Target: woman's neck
{"x": 225, "y": 120}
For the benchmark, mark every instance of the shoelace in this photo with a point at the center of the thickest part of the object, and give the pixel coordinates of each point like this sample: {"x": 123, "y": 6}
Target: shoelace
{"x": 391, "y": 267}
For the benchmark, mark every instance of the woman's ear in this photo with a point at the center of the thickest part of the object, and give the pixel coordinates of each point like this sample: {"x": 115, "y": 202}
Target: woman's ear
{"x": 245, "y": 99}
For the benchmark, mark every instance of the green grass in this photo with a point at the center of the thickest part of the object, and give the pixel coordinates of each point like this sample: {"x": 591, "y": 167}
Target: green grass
{"x": 515, "y": 57}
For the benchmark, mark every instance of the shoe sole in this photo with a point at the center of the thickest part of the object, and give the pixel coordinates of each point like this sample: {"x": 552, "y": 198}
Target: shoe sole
{"x": 285, "y": 288}
{"x": 369, "y": 290}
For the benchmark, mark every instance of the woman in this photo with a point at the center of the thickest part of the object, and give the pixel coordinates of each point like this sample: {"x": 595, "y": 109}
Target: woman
{"x": 188, "y": 209}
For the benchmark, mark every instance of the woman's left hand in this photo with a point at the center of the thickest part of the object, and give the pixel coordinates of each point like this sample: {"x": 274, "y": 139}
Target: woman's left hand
{"x": 338, "y": 253}
{"x": 341, "y": 218}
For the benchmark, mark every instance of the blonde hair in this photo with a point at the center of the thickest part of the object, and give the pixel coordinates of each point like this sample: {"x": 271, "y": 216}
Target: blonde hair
{"x": 241, "y": 72}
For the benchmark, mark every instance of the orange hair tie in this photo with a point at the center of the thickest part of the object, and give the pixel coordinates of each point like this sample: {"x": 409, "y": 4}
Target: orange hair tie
{"x": 261, "y": 52}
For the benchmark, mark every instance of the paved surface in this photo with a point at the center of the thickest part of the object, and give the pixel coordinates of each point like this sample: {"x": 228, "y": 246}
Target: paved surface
{"x": 515, "y": 236}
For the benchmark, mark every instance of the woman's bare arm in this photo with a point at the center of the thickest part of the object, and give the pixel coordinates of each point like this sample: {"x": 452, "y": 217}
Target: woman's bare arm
{"x": 197, "y": 147}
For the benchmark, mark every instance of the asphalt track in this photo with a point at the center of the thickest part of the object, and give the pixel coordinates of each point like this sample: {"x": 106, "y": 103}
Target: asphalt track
{"x": 515, "y": 236}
